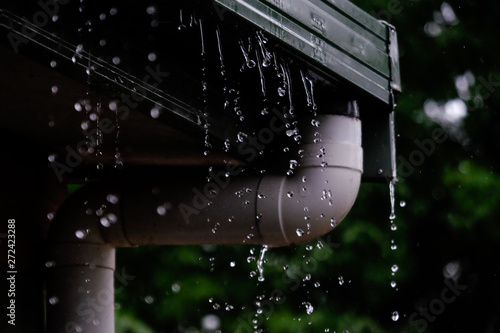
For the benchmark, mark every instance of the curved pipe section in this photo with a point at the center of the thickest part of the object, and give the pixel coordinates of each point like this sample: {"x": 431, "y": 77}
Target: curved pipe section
{"x": 275, "y": 210}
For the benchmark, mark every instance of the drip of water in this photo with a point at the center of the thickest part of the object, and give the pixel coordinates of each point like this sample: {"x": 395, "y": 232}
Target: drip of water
{"x": 313, "y": 103}
{"x": 392, "y": 216}
{"x": 309, "y": 89}
{"x": 249, "y": 62}
{"x": 118, "y": 155}
{"x": 266, "y": 55}
{"x": 219, "y": 46}
{"x": 261, "y": 73}
{"x": 289, "y": 85}
{"x": 202, "y": 40}
{"x": 181, "y": 25}
{"x": 204, "y": 86}
{"x": 222, "y": 69}
{"x": 260, "y": 262}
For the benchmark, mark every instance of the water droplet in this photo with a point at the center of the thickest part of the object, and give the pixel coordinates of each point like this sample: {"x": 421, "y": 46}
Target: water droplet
{"x": 394, "y": 268}
{"x": 290, "y": 194}
{"x": 317, "y": 284}
{"x": 232, "y": 264}
{"x": 49, "y": 264}
{"x": 112, "y": 198}
{"x": 53, "y": 300}
{"x": 299, "y": 232}
{"x": 393, "y": 284}
{"x": 250, "y": 259}
{"x": 395, "y": 316}
{"x": 152, "y": 56}
{"x": 105, "y": 222}
{"x": 333, "y": 222}
{"x": 80, "y": 234}
{"x": 241, "y": 137}
{"x": 149, "y": 299}
{"x": 155, "y": 112}
{"x": 116, "y": 60}
{"x": 402, "y": 203}
{"x": 393, "y": 227}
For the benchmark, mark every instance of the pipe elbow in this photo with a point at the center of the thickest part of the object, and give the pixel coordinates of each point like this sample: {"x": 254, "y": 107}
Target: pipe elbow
{"x": 89, "y": 219}
{"x": 322, "y": 190}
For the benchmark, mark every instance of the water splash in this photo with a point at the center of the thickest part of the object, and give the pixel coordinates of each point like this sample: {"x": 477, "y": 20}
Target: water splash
{"x": 260, "y": 262}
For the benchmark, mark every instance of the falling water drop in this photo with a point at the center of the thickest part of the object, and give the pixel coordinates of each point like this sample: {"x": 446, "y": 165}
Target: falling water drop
{"x": 402, "y": 203}
{"x": 299, "y": 232}
{"x": 395, "y": 316}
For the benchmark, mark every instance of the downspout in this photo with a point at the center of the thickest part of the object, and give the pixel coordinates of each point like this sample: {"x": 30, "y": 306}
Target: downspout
{"x": 276, "y": 210}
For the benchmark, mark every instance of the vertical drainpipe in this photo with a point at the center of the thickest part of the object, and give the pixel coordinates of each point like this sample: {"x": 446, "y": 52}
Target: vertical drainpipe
{"x": 81, "y": 262}
{"x": 100, "y": 217}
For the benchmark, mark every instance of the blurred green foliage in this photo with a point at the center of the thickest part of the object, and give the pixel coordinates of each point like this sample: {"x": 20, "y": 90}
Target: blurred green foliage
{"x": 447, "y": 229}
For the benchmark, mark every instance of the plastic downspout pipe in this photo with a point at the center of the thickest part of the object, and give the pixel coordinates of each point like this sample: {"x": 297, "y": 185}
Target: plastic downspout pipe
{"x": 275, "y": 210}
